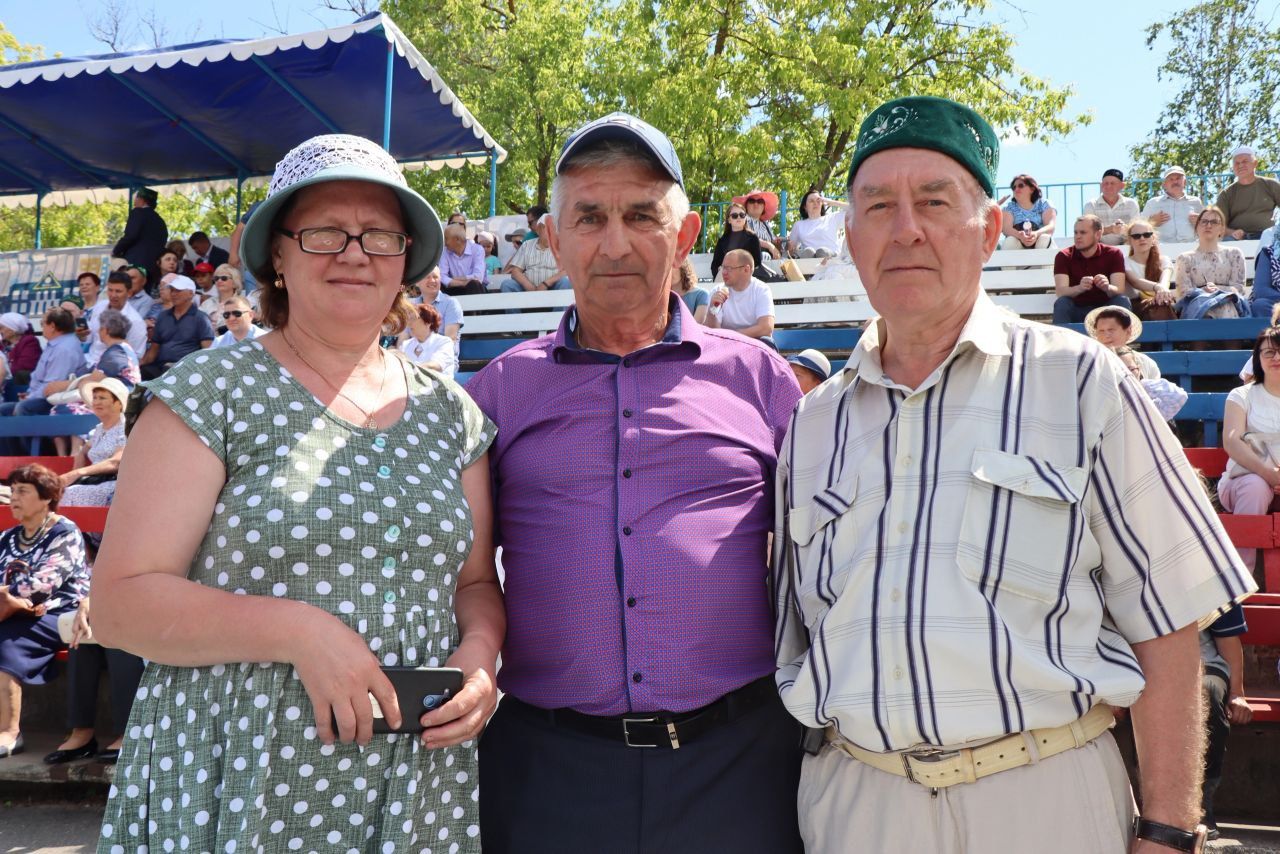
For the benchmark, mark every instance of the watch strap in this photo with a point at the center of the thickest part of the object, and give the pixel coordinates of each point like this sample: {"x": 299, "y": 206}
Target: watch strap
{"x": 1168, "y": 835}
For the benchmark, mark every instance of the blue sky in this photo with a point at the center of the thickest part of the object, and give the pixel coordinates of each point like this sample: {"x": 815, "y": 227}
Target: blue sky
{"x": 1095, "y": 45}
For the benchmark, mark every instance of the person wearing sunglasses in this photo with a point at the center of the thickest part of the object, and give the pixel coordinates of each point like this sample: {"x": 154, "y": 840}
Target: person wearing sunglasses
{"x": 237, "y": 316}
{"x": 736, "y": 235}
{"x": 227, "y": 283}
{"x": 1148, "y": 273}
{"x": 1210, "y": 278}
{"x": 1028, "y": 217}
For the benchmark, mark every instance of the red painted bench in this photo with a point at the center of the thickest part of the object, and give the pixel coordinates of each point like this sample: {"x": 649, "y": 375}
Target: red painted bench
{"x": 58, "y": 465}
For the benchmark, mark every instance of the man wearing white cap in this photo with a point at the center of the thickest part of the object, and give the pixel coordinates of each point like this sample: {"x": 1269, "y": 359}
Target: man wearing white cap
{"x": 811, "y": 368}
{"x": 179, "y": 330}
{"x": 1173, "y": 212}
{"x": 1249, "y": 202}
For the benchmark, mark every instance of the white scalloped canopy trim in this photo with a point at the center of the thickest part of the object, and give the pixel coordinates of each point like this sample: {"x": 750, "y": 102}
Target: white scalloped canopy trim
{"x": 244, "y": 50}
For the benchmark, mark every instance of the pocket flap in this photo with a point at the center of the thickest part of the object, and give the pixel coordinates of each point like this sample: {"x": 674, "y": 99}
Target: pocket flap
{"x": 819, "y": 510}
{"x": 1029, "y": 475}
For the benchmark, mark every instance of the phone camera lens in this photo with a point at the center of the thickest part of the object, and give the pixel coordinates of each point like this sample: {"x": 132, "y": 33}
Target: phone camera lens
{"x": 431, "y": 701}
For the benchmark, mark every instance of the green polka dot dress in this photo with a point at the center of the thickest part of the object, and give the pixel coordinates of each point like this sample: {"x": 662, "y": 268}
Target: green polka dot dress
{"x": 370, "y": 525}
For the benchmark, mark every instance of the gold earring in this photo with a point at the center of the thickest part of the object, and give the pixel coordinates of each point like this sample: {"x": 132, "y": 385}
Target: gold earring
{"x": 279, "y": 283}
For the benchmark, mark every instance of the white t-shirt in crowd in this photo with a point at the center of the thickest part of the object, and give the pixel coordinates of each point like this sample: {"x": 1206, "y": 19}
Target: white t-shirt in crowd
{"x": 819, "y": 233}
{"x": 1140, "y": 270}
{"x": 437, "y": 348}
{"x": 743, "y": 308}
{"x": 228, "y": 338}
{"x": 1262, "y": 415}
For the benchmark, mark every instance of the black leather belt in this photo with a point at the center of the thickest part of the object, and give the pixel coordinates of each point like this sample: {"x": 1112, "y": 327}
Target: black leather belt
{"x": 656, "y": 729}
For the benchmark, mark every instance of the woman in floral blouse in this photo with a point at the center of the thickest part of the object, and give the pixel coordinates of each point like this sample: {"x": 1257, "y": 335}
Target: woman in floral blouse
{"x": 1210, "y": 278}
{"x": 44, "y": 576}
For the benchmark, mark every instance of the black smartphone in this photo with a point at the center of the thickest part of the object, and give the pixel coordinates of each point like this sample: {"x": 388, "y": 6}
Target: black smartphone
{"x": 418, "y": 690}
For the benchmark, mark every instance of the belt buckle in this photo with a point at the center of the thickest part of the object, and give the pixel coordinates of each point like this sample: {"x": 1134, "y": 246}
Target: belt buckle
{"x": 924, "y": 754}
{"x": 652, "y": 719}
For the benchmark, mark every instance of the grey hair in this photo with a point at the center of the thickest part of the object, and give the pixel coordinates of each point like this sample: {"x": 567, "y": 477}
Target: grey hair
{"x": 116, "y": 323}
{"x": 456, "y": 228}
{"x": 228, "y": 270}
{"x": 614, "y": 153}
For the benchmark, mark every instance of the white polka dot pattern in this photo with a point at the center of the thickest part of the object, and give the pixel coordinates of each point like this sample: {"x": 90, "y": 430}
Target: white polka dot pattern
{"x": 226, "y": 758}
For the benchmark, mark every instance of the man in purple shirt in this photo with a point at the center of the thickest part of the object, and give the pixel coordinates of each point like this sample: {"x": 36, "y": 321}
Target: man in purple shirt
{"x": 633, "y": 472}
{"x": 462, "y": 263}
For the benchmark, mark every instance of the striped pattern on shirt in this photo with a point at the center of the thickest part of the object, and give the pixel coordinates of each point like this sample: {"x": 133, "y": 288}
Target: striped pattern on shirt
{"x": 976, "y": 557}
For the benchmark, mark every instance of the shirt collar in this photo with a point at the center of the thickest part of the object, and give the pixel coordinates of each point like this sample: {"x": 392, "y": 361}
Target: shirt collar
{"x": 683, "y": 334}
{"x": 986, "y": 330}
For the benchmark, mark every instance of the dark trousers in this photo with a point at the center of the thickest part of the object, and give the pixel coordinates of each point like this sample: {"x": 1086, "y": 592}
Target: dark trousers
{"x": 1065, "y": 309}
{"x": 84, "y": 665}
{"x": 553, "y": 790}
{"x": 1218, "y": 729}
{"x": 474, "y": 286}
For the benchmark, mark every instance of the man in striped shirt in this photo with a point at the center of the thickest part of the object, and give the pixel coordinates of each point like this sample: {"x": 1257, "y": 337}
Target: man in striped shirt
{"x": 986, "y": 539}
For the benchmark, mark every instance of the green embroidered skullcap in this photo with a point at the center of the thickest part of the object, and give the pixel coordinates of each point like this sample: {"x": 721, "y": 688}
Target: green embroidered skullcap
{"x": 937, "y": 124}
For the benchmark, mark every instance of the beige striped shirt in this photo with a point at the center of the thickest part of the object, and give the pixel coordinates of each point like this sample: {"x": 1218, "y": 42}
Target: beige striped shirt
{"x": 976, "y": 556}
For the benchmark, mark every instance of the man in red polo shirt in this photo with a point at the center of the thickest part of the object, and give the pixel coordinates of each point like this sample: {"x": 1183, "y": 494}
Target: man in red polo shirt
{"x": 1088, "y": 274}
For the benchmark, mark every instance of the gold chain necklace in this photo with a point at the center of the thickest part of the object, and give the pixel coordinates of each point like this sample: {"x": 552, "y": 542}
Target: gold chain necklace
{"x": 369, "y": 422}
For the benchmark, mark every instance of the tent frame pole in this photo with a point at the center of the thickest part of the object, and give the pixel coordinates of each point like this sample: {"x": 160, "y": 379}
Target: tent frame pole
{"x": 386, "y": 104}
{"x": 239, "y": 188}
{"x": 493, "y": 183}
{"x": 39, "y": 204}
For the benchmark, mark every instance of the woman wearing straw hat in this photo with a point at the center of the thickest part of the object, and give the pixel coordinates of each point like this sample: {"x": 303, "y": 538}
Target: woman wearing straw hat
{"x": 1115, "y": 327}
{"x": 327, "y": 515}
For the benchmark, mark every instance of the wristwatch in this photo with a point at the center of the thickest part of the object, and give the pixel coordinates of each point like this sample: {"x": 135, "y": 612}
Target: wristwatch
{"x": 1169, "y": 836}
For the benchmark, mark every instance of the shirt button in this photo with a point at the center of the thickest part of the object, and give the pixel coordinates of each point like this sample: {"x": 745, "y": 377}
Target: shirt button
{"x": 895, "y": 595}
{"x": 626, "y": 413}
{"x": 627, "y": 530}
{"x": 389, "y": 597}
{"x": 389, "y": 563}
{"x": 631, "y": 601}
{"x": 626, "y": 472}
{"x": 392, "y": 534}
{"x": 906, "y": 462}
{"x": 902, "y": 527}
{"x": 384, "y": 471}
{"x": 636, "y": 677}
{"x": 380, "y": 442}
{"x": 897, "y": 673}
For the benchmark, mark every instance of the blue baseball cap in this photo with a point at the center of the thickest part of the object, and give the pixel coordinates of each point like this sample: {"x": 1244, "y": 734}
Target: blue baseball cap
{"x": 626, "y": 127}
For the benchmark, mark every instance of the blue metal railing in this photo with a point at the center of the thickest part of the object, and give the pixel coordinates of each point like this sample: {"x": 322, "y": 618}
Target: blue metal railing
{"x": 1068, "y": 199}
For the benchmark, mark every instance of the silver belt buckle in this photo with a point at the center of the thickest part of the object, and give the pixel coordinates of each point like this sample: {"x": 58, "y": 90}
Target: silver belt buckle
{"x": 626, "y": 730}
{"x": 671, "y": 732}
{"x": 924, "y": 754}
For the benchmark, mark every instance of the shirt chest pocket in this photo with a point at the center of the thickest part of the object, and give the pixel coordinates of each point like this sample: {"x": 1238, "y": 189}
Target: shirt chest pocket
{"x": 821, "y": 529}
{"x": 1022, "y": 524}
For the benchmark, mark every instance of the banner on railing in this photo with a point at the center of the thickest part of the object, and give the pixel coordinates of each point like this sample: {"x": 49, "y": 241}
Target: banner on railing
{"x": 33, "y": 280}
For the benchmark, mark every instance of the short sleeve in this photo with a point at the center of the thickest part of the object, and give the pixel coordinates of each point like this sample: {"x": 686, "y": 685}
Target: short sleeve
{"x": 114, "y": 362}
{"x": 1060, "y": 265}
{"x": 1116, "y": 264}
{"x": 764, "y": 303}
{"x": 1240, "y": 394}
{"x": 478, "y": 432}
{"x": 1230, "y": 624}
{"x": 195, "y": 389}
{"x": 700, "y": 298}
{"x": 206, "y": 326}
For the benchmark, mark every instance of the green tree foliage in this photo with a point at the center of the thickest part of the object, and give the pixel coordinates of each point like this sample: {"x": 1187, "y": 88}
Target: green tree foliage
{"x": 752, "y": 92}
{"x": 1225, "y": 58}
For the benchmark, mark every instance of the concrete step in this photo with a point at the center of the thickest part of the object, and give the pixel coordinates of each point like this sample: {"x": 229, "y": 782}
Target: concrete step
{"x": 28, "y": 768}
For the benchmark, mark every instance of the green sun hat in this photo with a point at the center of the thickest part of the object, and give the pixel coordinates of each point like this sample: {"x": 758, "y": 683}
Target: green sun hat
{"x": 938, "y": 124}
{"x": 343, "y": 157}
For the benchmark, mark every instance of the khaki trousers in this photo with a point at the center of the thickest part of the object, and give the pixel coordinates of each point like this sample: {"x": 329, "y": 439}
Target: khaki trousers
{"x": 1078, "y": 802}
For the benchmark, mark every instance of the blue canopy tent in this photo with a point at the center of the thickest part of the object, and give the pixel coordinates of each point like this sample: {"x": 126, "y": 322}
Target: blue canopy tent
{"x": 216, "y": 113}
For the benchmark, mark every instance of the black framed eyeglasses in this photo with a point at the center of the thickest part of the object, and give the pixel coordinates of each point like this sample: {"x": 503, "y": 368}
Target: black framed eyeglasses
{"x": 334, "y": 241}
{"x": 1141, "y": 235}
{"x": 737, "y": 216}
{"x": 225, "y": 278}
{"x": 227, "y": 315}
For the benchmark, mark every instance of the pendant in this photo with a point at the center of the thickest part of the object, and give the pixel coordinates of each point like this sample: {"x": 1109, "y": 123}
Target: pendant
{"x": 370, "y": 423}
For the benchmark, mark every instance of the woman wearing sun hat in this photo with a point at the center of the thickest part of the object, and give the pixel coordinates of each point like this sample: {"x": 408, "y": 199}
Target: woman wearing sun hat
{"x": 1116, "y": 327}
{"x": 327, "y": 512}
{"x": 91, "y": 481}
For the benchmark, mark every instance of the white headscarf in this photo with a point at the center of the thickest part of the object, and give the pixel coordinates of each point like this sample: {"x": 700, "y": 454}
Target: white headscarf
{"x": 17, "y": 322}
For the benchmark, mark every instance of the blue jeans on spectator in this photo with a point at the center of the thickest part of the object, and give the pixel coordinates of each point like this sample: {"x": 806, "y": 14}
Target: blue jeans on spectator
{"x": 511, "y": 286}
{"x": 16, "y": 446}
{"x": 1065, "y": 309}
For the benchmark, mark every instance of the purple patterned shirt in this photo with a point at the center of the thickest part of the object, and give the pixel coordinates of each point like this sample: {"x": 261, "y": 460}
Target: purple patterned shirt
{"x": 634, "y": 496}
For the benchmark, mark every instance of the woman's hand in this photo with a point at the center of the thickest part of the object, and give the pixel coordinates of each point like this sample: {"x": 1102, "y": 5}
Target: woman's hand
{"x": 339, "y": 673}
{"x": 464, "y": 716}
{"x": 80, "y": 630}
